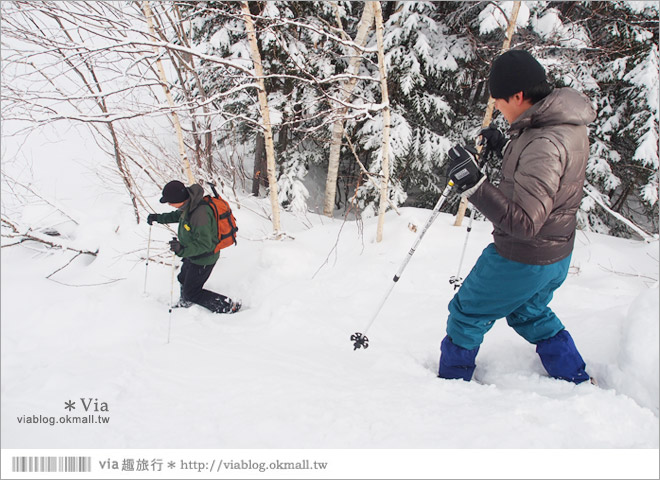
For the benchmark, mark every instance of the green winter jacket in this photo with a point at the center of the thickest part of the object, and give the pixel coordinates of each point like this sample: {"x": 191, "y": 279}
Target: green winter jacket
{"x": 198, "y": 228}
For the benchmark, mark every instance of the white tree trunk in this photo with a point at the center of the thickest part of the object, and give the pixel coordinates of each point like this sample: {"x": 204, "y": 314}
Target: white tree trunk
{"x": 175, "y": 118}
{"x": 488, "y": 116}
{"x": 385, "y": 100}
{"x": 265, "y": 115}
{"x": 338, "y": 126}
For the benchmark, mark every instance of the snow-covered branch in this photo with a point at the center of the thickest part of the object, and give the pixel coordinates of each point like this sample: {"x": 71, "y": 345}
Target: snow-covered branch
{"x": 591, "y": 191}
{"x": 24, "y": 234}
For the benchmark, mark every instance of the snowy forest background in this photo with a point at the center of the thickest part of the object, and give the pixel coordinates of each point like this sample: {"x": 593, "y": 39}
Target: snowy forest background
{"x": 98, "y": 68}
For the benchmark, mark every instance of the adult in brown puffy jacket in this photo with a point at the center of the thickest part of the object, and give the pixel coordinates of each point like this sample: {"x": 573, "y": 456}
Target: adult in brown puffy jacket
{"x": 533, "y": 211}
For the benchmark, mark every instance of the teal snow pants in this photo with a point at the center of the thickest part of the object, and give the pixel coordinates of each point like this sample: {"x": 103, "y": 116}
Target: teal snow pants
{"x": 501, "y": 288}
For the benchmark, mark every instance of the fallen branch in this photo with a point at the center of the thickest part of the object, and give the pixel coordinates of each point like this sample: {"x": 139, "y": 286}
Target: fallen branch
{"x": 29, "y": 235}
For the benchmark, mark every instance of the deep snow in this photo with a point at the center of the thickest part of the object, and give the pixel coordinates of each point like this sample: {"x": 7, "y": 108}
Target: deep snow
{"x": 282, "y": 373}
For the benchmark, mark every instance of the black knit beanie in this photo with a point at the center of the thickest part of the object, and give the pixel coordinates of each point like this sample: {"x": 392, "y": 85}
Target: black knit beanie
{"x": 175, "y": 192}
{"x": 512, "y": 72}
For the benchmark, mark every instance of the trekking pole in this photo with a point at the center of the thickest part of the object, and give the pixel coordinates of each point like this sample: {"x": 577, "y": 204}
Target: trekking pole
{"x": 146, "y": 267}
{"x": 360, "y": 339}
{"x": 169, "y": 326}
{"x": 456, "y": 280}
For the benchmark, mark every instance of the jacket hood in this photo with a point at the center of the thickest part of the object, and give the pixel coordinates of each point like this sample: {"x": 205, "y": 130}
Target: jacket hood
{"x": 562, "y": 106}
{"x": 196, "y": 193}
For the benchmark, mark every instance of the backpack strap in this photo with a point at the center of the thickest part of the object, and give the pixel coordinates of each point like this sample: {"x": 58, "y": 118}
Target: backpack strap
{"x": 215, "y": 192}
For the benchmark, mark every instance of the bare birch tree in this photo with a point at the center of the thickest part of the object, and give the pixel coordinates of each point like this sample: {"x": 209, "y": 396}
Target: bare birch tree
{"x": 163, "y": 78}
{"x": 346, "y": 91}
{"x": 385, "y": 162}
{"x": 190, "y": 83}
{"x": 265, "y": 115}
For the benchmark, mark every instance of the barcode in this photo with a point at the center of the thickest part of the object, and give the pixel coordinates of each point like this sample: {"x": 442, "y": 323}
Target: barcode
{"x": 51, "y": 464}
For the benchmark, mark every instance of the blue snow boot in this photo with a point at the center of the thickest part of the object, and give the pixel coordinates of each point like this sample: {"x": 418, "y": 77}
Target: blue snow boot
{"x": 561, "y": 359}
{"x": 455, "y": 361}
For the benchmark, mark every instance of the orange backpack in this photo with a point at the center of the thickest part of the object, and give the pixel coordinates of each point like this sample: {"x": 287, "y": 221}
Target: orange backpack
{"x": 225, "y": 218}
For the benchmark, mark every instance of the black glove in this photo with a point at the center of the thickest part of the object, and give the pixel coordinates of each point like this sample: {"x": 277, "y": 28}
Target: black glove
{"x": 175, "y": 246}
{"x": 494, "y": 139}
{"x": 463, "y": 169}
{"x": 151, "y": 218}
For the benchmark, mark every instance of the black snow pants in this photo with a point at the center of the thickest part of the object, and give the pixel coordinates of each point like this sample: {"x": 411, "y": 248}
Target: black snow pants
{"x": 192, "y": 279}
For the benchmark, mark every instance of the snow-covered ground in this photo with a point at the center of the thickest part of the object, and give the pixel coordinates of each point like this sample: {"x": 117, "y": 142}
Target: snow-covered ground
{"x": 282, "y": 373}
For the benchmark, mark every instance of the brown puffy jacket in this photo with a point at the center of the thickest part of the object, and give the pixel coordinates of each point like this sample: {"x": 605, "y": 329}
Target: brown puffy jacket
{"x": 533, "y": 209}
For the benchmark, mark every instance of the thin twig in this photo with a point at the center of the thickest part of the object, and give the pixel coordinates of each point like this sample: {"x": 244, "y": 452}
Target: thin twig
{"x": 29, "y": 189}
{"x": 334, "y": 247}
{"x": 89, "y": 284}
{"x": 65, "y": 265}
{"x": 627, "y": 274}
